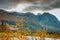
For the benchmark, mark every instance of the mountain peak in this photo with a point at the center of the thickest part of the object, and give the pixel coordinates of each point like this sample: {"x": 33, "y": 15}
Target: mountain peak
{"x": 2, "y": 11}
{"x": 47, "y": 17}
{"x": 46, "y": 13}
{"x": 29, "y": 13}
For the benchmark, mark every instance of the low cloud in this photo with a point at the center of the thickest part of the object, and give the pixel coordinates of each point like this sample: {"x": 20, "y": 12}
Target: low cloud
{"x": 36, "y": 4}
{"x": 7, "y": 4}
{"x": 44, "y": 5}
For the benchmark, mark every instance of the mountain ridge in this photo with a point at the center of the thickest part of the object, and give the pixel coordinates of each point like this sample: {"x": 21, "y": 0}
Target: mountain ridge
{"x": 34, "y": 21}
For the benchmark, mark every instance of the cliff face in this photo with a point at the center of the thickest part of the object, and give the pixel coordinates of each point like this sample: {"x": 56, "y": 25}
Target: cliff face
{"x": 40, "y": 21}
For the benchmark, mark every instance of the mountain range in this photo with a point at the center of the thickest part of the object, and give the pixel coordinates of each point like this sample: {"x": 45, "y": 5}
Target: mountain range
{"x": 39, "y": 21}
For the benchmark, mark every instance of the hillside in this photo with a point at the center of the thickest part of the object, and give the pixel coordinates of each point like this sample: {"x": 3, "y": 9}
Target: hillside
{"x": 40, "y": 21}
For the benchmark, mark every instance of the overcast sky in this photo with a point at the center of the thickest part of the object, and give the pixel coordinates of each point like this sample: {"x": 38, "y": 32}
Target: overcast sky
{"x": 35, "y": 6}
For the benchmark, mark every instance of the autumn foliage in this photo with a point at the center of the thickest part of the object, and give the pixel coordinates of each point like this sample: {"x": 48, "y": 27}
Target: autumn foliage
{"x": 6, "y": 33}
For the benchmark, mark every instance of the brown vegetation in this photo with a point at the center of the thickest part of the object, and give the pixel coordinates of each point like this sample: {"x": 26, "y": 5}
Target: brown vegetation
{"x": 6, "y": 33}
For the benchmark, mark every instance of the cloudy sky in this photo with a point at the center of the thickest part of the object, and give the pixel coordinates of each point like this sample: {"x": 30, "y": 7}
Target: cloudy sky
{"x": 35, "y": 6}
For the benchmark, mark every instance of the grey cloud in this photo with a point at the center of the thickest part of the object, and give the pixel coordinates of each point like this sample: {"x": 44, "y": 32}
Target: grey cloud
{"x": 36, "y": 4}
{"x": 38, "y": 7}
{"x": 46, "y": 5}
{"x": 6, "y": 4}
{"x": 56, "y": 4}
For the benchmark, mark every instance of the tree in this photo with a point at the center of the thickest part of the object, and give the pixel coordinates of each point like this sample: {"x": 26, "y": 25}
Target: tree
{"x": 19, "y": 26}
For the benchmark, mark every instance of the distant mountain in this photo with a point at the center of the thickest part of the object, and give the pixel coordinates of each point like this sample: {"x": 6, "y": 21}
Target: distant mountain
{"x": 39, "y": 21}
{"x": 4, "y": 15}
{"x": 50, "y": 21}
